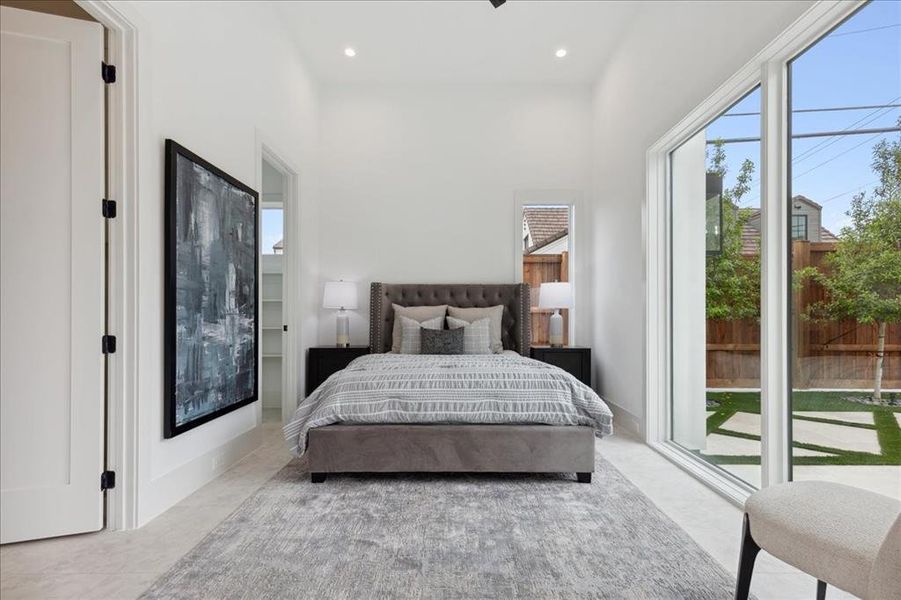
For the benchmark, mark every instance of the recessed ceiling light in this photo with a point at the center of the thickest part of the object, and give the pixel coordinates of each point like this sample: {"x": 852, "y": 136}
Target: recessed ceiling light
{"x": 350, "y": 52}
{"x": 560, "y": 53}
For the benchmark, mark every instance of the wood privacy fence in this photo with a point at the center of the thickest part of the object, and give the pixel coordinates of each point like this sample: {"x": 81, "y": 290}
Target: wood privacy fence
{"x": 834, "y": 354}
{"x": 538, "y": 269}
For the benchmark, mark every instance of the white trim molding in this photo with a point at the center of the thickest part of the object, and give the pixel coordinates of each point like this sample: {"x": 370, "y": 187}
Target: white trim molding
{"x": 572, "y": 199}
{"x": 265, "y": 150}
{"x": 122, "y": 186}
{"x": 769, "y": 70}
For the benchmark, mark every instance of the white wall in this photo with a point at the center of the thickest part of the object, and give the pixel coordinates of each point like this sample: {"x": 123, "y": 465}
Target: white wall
{"x": 675, "y": 55}
{"x": 418, "y": 181}
{"x": 217, "y": 80}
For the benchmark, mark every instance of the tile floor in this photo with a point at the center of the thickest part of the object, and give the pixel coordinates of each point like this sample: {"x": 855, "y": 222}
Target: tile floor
{"x": 121, "y": 565}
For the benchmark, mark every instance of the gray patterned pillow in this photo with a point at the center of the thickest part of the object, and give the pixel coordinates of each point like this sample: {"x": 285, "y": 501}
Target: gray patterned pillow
{"x": 476, "y": 335}
{"x": 410, "y": 336}
{"x": 495, "y": 313}
{"x": 442, "y": 341}
{"x": 417, "y": 313}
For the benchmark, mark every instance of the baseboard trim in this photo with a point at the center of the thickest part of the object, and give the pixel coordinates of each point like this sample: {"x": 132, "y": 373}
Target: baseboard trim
{"x": 173, "y": 487}
{"x": 623, "y": 420}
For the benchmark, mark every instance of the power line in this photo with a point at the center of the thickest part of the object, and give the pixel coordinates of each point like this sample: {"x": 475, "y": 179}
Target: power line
{"x": 828, "y": 160}
{"x": 864, "y": 120}
{"x": 851, "y": 191}
{"x": 814, "y": 110}
{"x": 878, "y": 132}
{"x": 813, "y": 134}
{"x": 835, "y": 35}
{"x": 819, "y": 147}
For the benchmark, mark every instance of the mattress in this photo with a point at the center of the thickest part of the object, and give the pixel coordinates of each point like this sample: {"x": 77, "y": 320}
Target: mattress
{"x": 440, "y": 389}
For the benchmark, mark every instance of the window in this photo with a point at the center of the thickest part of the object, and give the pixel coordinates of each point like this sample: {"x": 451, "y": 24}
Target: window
{"x": 272, "y": 225}
{"x": 546, "y": 258}
{"x": 813, "y": 354}
{"x": 845, "y": 322}
{"x": 715, "y": 266}
{"x": 799, "y": 227}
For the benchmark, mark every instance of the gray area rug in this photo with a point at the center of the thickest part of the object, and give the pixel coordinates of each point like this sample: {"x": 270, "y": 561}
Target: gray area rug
{"x": 446, "y": 536}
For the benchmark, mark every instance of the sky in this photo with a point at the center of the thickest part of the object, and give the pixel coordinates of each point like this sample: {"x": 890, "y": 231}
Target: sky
{"x": 271, "y": 221}
{"x": 857, "y": 64}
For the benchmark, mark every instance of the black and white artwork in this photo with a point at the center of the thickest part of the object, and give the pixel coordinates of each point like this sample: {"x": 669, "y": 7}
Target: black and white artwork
{"x": 211, "y": 291}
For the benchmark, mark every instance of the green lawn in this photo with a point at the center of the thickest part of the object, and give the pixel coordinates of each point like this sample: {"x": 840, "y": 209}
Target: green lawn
{"x": 884, "y": 423}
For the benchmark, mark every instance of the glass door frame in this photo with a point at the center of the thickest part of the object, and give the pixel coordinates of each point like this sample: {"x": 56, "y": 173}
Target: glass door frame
{"x": 769, "y": 69}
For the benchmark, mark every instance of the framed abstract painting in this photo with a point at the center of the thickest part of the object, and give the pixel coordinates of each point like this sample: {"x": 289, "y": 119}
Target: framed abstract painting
{"x": 211, "y": 281}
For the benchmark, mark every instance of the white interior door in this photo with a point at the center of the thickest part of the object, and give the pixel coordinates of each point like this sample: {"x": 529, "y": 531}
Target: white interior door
{"x": 51, "y": 275}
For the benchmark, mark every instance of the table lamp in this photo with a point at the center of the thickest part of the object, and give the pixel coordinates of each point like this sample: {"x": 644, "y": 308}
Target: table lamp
{"x": 556, "y": 295}
{"x": 341, "y": 295}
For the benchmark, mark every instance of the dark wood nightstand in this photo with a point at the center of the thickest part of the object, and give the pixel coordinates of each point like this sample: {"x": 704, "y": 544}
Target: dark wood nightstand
{"x": 575, "y": 360}
{"x": 323, "y": 361}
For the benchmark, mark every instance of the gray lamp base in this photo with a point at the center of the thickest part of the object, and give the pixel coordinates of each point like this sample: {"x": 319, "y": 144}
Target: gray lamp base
{"x": 555, "y": 330}
{"x": 342, "y": 329}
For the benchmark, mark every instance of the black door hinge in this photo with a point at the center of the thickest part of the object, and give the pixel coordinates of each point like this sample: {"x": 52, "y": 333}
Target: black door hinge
{"x": 109, "y": 209}
{"x": 108, "y": 72}
{"x": 109, "y": 344}
{"x": 107, "y": 480}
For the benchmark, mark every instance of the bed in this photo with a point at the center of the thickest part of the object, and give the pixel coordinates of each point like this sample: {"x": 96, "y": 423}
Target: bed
{"x": 504, "y": 413}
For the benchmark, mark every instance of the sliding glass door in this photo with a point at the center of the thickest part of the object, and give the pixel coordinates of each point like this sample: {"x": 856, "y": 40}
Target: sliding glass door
{"x": 715, "y": 286}
{"x": 844, "y": 223}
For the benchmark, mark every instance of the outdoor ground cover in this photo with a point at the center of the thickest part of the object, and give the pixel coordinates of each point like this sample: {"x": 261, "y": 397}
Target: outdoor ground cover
{"x": 810, "y": 408}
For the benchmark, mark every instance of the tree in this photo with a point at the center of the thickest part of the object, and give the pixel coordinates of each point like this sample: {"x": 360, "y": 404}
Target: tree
{"x": 862, "y": 277}
{"x": 733, "y": 279}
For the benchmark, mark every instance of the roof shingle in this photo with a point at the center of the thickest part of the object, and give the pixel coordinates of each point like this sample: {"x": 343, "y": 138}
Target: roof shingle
{"x": 546, "y": 223}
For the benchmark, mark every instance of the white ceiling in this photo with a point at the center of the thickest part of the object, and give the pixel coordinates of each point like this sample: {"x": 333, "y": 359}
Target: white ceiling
{"x": 456, "y": 41}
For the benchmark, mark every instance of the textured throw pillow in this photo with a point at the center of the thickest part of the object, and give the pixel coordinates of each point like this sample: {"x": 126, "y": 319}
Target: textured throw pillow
{"x": 442, "y": 341}
{"x": 476, "y": 337}
{"x": 411, "y": 336}
{"x": 417, "y": 313}
{"x": 494, "y": 313}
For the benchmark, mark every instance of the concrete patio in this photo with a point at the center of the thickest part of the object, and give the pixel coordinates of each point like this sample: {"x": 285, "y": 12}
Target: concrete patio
{"x": 739, "y": 436}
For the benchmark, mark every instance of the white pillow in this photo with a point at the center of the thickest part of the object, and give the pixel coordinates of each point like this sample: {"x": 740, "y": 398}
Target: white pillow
{"x": 476, "y": 335}
{"x": 411, "y": 336}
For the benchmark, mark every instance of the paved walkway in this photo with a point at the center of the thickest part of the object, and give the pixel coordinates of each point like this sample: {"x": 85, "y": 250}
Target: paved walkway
{"x": 843, "y": 432}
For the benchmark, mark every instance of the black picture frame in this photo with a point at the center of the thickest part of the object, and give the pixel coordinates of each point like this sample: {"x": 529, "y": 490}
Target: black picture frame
{"x": 171, "y": 427}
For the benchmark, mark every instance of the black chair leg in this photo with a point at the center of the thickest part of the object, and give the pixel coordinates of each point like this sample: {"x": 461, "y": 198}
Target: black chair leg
{"x": 583, "y": 477}
{"x": 317, "y": 477}
{"x": 749, "y": 550}
{"x": 821, "y": 590}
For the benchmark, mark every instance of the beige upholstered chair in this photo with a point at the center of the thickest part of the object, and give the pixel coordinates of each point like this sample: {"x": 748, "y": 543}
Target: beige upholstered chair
{"x": 844, "y": 536}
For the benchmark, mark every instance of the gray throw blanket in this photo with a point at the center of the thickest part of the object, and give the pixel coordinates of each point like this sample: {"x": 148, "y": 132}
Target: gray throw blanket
{"x": 466, "y": 389}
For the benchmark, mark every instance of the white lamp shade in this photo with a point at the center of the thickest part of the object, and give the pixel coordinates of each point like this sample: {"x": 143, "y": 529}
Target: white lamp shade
{"x": 340, "y": 294}
{"x": 558, "y": 294}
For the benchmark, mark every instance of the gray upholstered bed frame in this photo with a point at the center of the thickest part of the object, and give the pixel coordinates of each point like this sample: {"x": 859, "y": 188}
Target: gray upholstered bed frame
{"x": 451, "y": 448}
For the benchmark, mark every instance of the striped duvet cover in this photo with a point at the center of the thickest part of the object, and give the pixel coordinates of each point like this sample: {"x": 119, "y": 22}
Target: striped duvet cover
{"x": 504, "y": 389}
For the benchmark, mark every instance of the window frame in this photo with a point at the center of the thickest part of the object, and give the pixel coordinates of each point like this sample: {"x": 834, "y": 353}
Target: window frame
{"x": 734, "y": 482}
{"x": 562, "y": 197}
{"x": 769, "y": 69}
{"x": 806, "y": 231}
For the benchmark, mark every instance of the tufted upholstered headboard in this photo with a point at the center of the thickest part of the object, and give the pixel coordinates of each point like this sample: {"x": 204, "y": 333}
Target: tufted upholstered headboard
{"x": 515, "y": 328}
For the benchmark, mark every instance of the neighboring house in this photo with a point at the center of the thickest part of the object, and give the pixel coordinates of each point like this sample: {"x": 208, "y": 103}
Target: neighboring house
{"x": 806, "y": 225}
{"x": 278, "y": 247}
{"x": 545, "y": 230}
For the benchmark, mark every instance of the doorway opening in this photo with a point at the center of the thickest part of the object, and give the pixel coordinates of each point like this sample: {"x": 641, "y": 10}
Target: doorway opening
{"x": 273, "y": 324}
